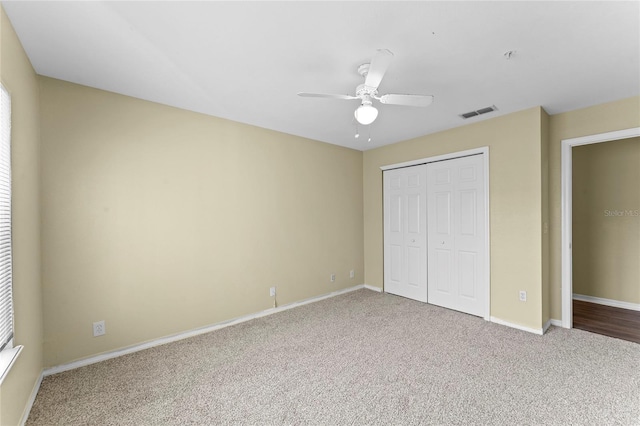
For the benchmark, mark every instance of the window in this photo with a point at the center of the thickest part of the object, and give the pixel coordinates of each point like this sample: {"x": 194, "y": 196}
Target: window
{"x": 8, "y": 353}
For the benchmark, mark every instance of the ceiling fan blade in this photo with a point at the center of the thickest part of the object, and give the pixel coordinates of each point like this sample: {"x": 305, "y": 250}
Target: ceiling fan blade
{"x": 325, "y": 95}
{"x": 407, "y": 100}
{"x": 378, "y": 67}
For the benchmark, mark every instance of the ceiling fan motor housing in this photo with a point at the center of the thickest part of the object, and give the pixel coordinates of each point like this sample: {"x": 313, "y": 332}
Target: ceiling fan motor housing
{"x": 363, "y": 92}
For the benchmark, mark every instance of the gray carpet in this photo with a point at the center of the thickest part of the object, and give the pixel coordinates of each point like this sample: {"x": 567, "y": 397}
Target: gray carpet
{"x": 359, "y": 358}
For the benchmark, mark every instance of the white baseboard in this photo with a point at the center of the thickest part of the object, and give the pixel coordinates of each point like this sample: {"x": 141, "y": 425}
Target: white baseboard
{"x": 539, "y": 331}
{"x": 195, "y": 332}
{"x": 370, "y": 287}
{"x": 555, "y": 322}
{"x": 607, "y": 302}
{"x": 32, "y": 399}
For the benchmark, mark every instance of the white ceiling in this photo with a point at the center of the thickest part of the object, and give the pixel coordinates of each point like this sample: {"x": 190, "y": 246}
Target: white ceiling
{"x": 245, "y": 61}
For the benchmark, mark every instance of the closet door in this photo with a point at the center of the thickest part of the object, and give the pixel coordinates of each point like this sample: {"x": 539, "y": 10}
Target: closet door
{"x": 405, "y": 232}
{"x": 456, "y": 227}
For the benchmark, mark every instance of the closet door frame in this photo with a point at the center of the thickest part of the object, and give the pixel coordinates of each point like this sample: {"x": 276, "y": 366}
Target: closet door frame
{"x": 485, "y": 151}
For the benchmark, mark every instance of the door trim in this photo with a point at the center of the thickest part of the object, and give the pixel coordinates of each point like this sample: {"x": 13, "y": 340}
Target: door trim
{"x": 566, "y": 176}
{"x": 485, "y": 151}
{"x": 475, "y": 151}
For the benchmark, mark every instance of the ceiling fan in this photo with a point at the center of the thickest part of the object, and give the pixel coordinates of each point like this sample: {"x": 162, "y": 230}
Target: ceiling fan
{"x": 373, "y": 72}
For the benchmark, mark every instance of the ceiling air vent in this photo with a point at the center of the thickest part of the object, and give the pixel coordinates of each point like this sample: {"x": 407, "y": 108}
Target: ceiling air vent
{"x": 478, "y": 112}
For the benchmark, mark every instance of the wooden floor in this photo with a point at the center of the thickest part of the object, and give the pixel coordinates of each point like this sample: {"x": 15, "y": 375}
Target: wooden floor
{"x": 614, "y": 322}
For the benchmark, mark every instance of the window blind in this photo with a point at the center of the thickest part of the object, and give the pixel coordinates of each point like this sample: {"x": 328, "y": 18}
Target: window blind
{"x": 6, "y": 300}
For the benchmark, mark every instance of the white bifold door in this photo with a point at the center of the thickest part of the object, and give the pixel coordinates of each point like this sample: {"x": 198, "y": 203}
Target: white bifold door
{"x": 435, "y": 234}
{"x": 405, "y": 237}
{"x": 456, "y": 229}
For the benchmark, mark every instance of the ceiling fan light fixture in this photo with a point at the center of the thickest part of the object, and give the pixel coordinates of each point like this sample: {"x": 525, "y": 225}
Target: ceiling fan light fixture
{"x": 366, "y": 113}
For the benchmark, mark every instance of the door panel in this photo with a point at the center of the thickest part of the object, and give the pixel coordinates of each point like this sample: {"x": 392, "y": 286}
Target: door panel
{"x": 394, "y": 182}
{"x": 468, "y": 212}
{"x": 443, "y": 176}
{"x": 395, "y": 269}
{"x": 413, "y": 213}
{"x": 443, "y": 213}
{"x": 467, "y": 274}
{"x": 405, "y": 236}
{"x": 467, "y": 174}
{"x": 395, "y": 213}
{"x": 443, "y": 271}
{"x": 456, "y": 234}
{"x": 414, "y": 260}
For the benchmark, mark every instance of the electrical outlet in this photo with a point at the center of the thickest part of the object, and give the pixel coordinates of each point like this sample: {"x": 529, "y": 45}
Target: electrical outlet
{"x": 333, "y": 277}
{"x": 98, "y": 328}
{"x": 523, "y": 296}
{"x": 352, "y": 274}
{"x": 272, "y": 291}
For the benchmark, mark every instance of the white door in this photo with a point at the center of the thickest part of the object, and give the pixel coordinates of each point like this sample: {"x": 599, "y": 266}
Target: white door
{"x": 405, "y": 232}
{"x": 456, "y": 227}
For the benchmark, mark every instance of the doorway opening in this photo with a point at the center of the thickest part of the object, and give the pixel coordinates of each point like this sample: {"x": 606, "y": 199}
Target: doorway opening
{"x": 567, "y": 211}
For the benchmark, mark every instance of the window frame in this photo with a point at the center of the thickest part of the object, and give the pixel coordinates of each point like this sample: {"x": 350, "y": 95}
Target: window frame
{"x": 9, "y": 353}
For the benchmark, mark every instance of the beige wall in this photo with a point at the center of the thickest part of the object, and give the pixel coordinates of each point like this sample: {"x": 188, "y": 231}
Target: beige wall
{"x": 516, "y": 207}
{"x": 618, "y": 115}
{"x": 159, "y": 220}
{"x": 20, "y": 80}
{"x": 606, "y": 220}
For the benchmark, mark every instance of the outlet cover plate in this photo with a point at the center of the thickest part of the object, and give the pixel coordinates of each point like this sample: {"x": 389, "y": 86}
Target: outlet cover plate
{"x": 272, "y": 291}
{"x": 523, "y": 296}
{"x": 99, "y": 329}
